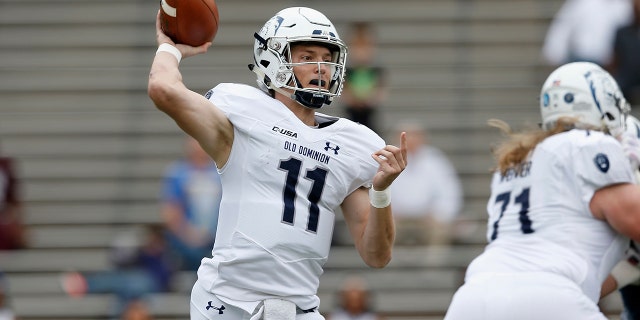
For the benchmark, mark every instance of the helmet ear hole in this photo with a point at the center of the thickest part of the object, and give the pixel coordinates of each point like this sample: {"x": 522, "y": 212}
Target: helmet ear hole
{"x": 265, "y": 63}
{"x": 609, "y": 116}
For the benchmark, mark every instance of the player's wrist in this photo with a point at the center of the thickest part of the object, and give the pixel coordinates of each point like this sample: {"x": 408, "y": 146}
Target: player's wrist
{"x": 171, "y": 49}
{"x": 380, "y": 199}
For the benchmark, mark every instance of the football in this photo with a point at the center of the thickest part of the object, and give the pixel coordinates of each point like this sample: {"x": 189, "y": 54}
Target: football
{"x": 190, "y": 22}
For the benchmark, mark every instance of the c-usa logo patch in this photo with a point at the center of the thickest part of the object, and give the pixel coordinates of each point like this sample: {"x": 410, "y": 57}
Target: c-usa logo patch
{"x": 602, "y": 162}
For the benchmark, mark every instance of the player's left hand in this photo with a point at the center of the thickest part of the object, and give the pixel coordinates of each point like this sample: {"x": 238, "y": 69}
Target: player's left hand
{"x": 392, "y": 161}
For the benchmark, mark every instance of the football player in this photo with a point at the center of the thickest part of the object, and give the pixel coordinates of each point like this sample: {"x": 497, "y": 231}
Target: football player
{"x": 285, "y": 168}
{"x": 563, "y": 206}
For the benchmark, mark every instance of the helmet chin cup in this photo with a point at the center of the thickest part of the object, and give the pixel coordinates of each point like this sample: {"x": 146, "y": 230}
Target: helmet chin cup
{"x": 311, "y": 100}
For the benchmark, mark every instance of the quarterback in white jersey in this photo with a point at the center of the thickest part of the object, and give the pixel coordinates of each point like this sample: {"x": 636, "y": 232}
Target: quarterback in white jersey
{"x": 285, "y": 169}
{"x": 563, "y": 205}
{"x": 285, "y": 181}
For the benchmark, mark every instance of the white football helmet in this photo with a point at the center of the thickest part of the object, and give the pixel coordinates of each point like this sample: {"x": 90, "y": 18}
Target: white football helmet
{"x": 271, "y": 53}
{"x": 585, "y": 91}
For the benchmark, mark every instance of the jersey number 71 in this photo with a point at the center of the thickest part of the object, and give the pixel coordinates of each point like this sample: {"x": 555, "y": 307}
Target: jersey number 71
{"x": 523, "y": 200}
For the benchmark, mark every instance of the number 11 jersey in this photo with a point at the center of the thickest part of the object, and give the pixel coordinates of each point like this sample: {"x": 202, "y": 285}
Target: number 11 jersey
{"x": 282, "y": 184}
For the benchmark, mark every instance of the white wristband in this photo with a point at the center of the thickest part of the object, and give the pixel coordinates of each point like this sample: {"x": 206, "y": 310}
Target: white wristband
{"x": 625, "y": 273}
{"x": 166, "y": 47}
{"x": 380, "y": 199}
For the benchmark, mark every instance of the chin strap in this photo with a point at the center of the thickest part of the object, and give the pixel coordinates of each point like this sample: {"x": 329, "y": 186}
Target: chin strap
{"x": 307, "y": 99}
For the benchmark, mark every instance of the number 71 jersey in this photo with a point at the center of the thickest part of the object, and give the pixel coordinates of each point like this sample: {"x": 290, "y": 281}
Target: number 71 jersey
{"x": 539, "y": 216}
{"x": 555, "y": 184}
{"x": 282, "y": 184}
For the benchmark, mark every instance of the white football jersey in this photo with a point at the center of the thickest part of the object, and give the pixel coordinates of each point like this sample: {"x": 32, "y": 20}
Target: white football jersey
{"x": 539, "y": 216}
{"x": 282, "y": 184}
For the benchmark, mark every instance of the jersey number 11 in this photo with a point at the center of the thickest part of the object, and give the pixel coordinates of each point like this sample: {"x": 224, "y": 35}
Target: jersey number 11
{"x": 292, "y": 167}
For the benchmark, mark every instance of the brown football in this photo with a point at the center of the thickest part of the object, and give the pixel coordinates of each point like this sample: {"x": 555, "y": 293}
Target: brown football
{"x": 191, "y": 22}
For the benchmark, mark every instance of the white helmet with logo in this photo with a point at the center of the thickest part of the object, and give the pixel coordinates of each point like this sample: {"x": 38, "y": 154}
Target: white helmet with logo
{"x": 585, "y": 91}
{"x": 272, "y": 58}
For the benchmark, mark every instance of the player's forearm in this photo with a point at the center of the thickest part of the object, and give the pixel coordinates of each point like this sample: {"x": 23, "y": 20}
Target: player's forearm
{"x": 378, "y": 238}
{"x": 608, "y": 286}
{"x": 164, "y": 80}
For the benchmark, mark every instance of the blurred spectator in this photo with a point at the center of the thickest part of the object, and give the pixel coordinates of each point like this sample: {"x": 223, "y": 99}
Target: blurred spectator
{"x": 427, "y": 197}
{"x": 6, "y": 313}
{"x": 138, "y": 270}
{"x": 625, "y": 66}
{"x": 12, "y": 229}
{"x": 365, "y": 84}
{"x": 583, "y": 30}
{"x": 354, "y": 301}
{"x": 190, "y": 203}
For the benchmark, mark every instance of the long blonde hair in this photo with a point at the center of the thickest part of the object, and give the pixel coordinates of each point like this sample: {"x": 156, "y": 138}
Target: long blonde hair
{"x": 517, "y": 145}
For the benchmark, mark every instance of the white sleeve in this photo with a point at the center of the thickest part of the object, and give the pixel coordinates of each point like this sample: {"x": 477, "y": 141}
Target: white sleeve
{"x": 599, "y": 163}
